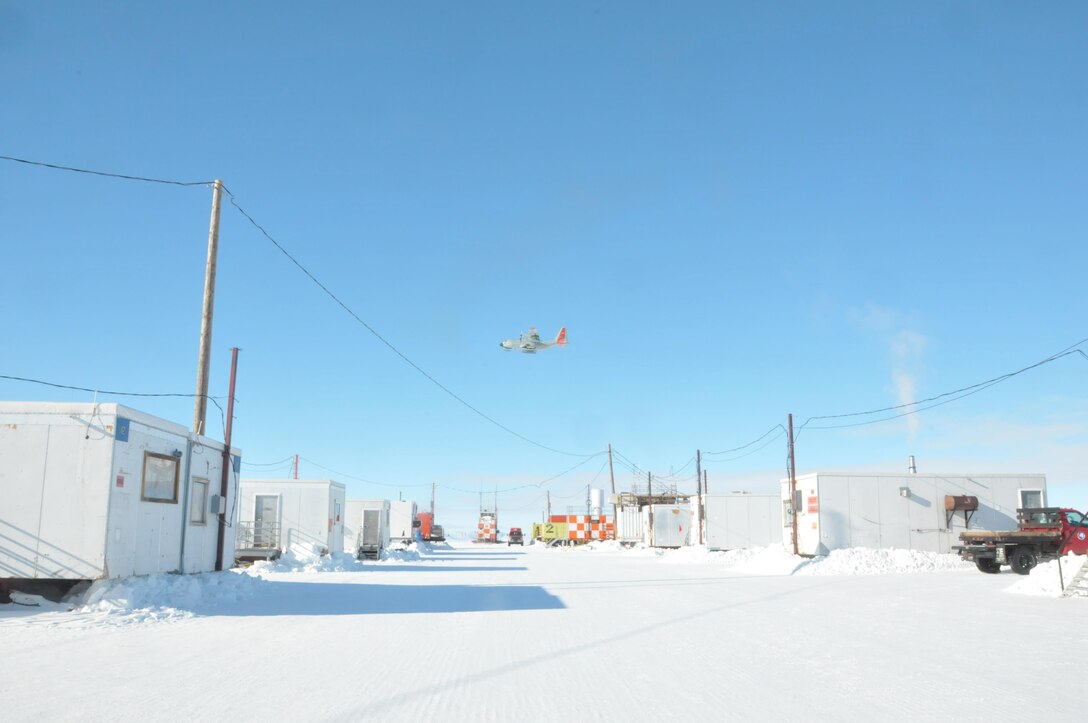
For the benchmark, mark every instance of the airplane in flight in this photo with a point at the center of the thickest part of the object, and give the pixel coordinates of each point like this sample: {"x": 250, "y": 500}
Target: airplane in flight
{"x": 531, "y": 343}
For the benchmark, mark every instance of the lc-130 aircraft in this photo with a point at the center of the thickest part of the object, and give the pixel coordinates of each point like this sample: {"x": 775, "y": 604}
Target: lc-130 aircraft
{"x": 531, "y": 343}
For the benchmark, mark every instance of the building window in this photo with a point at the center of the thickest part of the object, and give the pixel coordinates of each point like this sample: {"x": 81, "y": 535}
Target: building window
{"x": 1031, "y": 499}
{"x": 198, "y": 504}
{"x": 160, "y": 482}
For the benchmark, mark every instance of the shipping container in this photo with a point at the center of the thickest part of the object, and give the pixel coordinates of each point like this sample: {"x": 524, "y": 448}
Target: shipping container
{"x": 366, "y": 527}
{"x": 739, "y": 521}
{"x": 278, "y": 514}
{"x": 907, "y": 511}
{"x": 91, "y": 491}
{"x": 669, "y": 525}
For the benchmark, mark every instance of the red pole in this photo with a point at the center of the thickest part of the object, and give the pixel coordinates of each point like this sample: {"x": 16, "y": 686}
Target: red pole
{"x": 226, "y": 463}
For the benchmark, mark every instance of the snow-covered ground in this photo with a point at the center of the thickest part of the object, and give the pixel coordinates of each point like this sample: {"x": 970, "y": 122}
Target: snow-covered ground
{"x": 474, "y": 633}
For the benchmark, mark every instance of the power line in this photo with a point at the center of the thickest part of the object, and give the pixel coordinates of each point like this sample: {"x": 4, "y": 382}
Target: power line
{"x": 213, "y": 400}
{"x": 383, "y": 340}
{"x": 106, "y": 173}
{"x": 947, "y": 397}
{"x": 345, "y": 307}
{"x": 745, "y": 446}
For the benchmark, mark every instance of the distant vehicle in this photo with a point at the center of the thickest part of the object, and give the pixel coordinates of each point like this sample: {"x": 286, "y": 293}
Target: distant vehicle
{"x": 438, "y": 534}
{"x": 1042, "y": 533}
{"x": 515, "y": 537}
{"x": 531, "y": 343}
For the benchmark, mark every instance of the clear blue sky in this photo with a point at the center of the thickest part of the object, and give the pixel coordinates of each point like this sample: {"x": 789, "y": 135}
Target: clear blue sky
{"x": 738, "y": 210}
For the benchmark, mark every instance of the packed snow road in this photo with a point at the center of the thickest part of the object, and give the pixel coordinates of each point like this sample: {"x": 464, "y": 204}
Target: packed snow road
{"x": 475, "y": 633}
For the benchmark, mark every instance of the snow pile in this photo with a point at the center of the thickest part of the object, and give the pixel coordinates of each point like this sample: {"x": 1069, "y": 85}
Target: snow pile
{"x": 307, "y": 558}
{"x": 770, "y": 560}
{"x": 154, "y": 598}
{"x": 1043, "y": 579}
{"x": 403, "y": 554}
{"x": 863, "y": 561}
{"x": 638, "y": 549}
{"x": 24, "y": 600}
{"x": 777, "y": 560}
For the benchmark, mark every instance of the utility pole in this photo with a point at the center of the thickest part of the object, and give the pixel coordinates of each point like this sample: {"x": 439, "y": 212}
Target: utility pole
{"x": 432, "y": 502}
{"x": 201, "y": 408}
{"x": 549, "y": 506}
{"x": 227, "y": 463}
{"x": 699, "y": 489}
{"x": 649, "y": 487}
{"x": 793, "y": 486}
{"x": 612, "y": 480}
{"x": 706, "y": 486}
{"x": 296, "y": 467}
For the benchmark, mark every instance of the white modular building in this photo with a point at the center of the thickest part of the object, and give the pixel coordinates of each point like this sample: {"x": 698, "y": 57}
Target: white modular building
{"x": 741, "y": 520}
{"x": 276, "y": 514}
{"x": 90, "y": 491}
{"x": 924, "y": 512}
{"x": 366, "y": 527}
{"x": 402, "y": 520}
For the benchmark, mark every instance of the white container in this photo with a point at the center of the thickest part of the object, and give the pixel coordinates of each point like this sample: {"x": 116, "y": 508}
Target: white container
{"x": 91, "y": 491}
{"x": 906, "y": 511}
{"x": 307, "y": 513}
{"x": 629, "y": 524}
{"x": 741, "y": 521}
{"x": 366, "y": 527}
{"x": 669, "y": 525}
{"x": 402, "y": 518}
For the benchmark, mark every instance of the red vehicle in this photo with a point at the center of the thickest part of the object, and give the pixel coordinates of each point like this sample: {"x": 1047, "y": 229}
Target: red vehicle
{"x": 515, "y": 537}
{"x": 1042, "y": 533}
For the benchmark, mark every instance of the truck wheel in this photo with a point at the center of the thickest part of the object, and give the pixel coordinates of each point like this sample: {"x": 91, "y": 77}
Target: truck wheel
{"x": 987, "y": 565}
{"x": 1022, "y": 560}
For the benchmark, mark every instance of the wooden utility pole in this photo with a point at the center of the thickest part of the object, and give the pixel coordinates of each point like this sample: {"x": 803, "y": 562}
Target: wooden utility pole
{"x": 296, "y": 467}
{"x": 706, "y": 484}
{"x": 549, "y": 506}
{"x": 699, "y": 489}
{"x": 201, "y": 408}
{"x": 227, "y": 464}
{"x": 793, "y": 486}
{"x": 649, "y": 487}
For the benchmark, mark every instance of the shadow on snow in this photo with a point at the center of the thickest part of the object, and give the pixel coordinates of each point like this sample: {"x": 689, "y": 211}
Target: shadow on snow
{"x": 311, "y": 598}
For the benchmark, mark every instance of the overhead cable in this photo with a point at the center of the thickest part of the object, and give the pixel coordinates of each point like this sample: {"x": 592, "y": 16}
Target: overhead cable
{"x": 106, "y": 173}
{"x": 945, "y": 397}
{"x": 385, "y": 341}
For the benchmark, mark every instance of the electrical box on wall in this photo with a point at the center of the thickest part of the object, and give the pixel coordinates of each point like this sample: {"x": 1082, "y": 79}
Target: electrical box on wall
{"x": 215, "y": 505}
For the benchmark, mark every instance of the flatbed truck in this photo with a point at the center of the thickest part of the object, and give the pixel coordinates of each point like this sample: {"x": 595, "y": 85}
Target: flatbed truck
{"x": 1042, "y": 533}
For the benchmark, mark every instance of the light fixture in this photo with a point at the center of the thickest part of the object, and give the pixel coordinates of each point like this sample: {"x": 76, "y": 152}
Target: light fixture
{"x": 904, "y": 491}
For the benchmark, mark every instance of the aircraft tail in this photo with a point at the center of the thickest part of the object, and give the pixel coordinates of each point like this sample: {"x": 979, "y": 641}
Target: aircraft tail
{"x": 561, "y": 337}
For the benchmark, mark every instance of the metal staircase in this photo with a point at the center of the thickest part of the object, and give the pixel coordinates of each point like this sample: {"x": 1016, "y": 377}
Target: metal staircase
{"x": 1078, "y": 586}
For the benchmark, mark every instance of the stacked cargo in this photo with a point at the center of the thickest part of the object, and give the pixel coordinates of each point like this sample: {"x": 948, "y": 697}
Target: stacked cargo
{"x": 581, "y": 528}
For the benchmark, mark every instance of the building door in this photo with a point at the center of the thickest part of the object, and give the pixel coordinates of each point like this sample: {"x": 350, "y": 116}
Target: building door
{"x": 266, "y": 515}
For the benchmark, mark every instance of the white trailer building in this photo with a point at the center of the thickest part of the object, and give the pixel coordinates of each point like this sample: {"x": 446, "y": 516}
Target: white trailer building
{"x": 91, "y": 491}
{"x": 908, "y": 511}
{"x": 366, "y": 527}
{"x": 275, "y": 514}
{"x": 741, "y": 520}
{"x": 402, "y": 520}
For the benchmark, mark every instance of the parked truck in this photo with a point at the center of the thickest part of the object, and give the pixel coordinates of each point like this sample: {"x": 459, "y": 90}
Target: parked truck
{"x": 1042, "y": 533}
